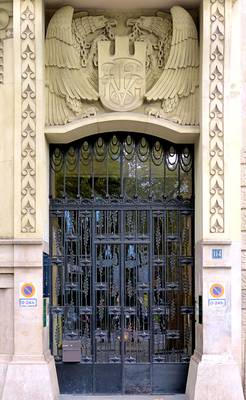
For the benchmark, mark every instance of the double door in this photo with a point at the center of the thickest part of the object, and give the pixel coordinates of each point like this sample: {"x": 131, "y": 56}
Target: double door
{"x": 122, "y": 292}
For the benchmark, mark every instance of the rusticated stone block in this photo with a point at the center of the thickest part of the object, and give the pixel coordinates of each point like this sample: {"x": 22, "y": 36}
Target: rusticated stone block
{"x": 243, "y": 156}
{"x": 243, "y": 259}
{"x": 243, "y": 175}
{"x": 243, "y": 235}
{"x": 244, "y": 280}
{"x": 243, "y": 197}
{"x": 243, "y": 220}
{"x": 244, "y": 320}
{"x": 244, "y": 299}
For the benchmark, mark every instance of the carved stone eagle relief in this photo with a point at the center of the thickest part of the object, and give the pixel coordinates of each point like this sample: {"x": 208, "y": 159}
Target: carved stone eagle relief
{"x": 103, "y": 63}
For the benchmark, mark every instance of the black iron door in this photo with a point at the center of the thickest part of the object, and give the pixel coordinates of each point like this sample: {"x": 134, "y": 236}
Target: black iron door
{"x": 122, "y": 265}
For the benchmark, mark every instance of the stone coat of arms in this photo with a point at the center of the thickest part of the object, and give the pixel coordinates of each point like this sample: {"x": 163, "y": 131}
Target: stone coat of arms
{"x": 121, "y": 75}
{"x": 141, "y": 63}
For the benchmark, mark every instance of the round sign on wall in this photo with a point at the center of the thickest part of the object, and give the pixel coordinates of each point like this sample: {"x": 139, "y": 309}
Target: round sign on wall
{"x": 217, "y": 290}
{"x": 28, "y": 290}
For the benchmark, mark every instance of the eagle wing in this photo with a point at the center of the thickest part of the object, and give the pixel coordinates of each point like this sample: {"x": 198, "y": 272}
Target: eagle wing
{"x": 178, "y": 84}
{"x": 67, "y": 83}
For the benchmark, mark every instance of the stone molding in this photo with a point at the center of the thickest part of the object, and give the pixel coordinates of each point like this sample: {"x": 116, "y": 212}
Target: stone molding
{"x": 216, "y": 115}
{"x": 6, "y": 32}
{"x": 21, "y": 254}
{"x": 20, "y": 241}
{"x": 128, "y": 122}
{"x": 28, "y": 116}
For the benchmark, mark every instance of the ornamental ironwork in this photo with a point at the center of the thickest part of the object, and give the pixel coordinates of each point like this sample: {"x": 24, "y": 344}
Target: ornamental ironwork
{"x": 122, "y": 263}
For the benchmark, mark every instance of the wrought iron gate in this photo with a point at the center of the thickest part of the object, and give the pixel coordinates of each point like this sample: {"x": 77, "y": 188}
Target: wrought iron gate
{"x": 122, "y": 264}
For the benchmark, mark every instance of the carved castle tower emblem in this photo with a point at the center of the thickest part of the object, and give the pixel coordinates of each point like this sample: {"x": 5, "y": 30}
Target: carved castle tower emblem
{"x": 121, "y": 75}
{"x": 154, "y": 69}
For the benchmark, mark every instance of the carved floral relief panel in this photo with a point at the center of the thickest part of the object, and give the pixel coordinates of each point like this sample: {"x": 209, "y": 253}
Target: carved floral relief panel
{"x": 6, "y": 32}
{"x": 128, "y": 62}
{"x": 216, "y": 115}
{"x": 28, "y": 116}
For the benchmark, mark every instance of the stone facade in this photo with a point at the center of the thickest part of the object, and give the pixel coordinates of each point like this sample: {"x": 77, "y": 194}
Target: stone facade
{"x": 243, "y": 194}
{"x": 243, "y": 258}
{"x": 26, "y": 366}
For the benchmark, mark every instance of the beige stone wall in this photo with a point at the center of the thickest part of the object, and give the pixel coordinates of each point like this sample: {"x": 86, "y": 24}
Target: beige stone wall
{"x": 243, "y": 226}
{"x": 6, "y": 183}
{"x": 243, "y": 187}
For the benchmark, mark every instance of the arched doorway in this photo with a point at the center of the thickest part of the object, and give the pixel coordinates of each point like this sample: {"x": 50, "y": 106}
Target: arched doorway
{"x": 121, "y": 238}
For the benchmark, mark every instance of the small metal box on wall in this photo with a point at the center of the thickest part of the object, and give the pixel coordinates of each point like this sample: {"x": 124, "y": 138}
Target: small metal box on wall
{"x": 71, "y": 351}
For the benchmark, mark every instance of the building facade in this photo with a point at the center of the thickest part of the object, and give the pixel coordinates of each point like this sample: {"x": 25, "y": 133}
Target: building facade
{"x": 123, "y": 175}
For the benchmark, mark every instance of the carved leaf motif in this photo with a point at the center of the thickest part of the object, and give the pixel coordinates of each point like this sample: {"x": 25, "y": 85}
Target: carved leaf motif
{"x": 216, "y": 113}
{"x": 28, "y": 112}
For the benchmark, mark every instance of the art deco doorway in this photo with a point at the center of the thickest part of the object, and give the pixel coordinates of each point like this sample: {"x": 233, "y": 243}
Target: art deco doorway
{"x": 121, "y": 237}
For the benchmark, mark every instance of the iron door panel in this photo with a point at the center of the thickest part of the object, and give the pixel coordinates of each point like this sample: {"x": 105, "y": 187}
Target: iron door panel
{"x": 75, "y": 378}
{"x": 108, "y": 378}
{"x": 169, "y": 378}
{"x": 137, "y": 378}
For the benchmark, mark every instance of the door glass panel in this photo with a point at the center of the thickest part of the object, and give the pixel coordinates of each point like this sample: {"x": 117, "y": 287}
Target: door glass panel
{"x": 107, "y": 223}
{"x": 71, "y": 177}
{"x": 129, "y": 168}
{"x": 107, "y": 285}
{"x": 100, "y": 168}
{"x": 136, "y": 314}
{"x": 57, "y": 173}
{"x": 114, "y": 165}
{"x": 186, "y": 183}
{"x": 85, "y": 171}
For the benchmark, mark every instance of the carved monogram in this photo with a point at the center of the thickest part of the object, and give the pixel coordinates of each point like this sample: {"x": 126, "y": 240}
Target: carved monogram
{"x": 121, "y": 76}
{"x": 149, "y": 64}
{"x": 28, "y": 115}
{"x": 216, "y": 113}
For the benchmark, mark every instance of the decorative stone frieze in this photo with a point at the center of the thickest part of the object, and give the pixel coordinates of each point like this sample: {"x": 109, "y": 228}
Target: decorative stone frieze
{"x": 5, "y": 33}
{"x": 216, "y": 115}
{"x": 28, "y": 117}
{"x": 133, "y": 62}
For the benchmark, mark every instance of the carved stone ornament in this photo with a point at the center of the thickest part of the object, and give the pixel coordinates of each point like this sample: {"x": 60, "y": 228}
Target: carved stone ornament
{"x": 28, "y": 116}
{"x": 100, "y": 63}
{"x": 216, "y": 115}
{"x": 121, "y": 75}
{"x": 5, "y": 33}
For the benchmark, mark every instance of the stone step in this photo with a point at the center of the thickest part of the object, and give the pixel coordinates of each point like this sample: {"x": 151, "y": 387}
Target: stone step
{"x": 124, "y": 397}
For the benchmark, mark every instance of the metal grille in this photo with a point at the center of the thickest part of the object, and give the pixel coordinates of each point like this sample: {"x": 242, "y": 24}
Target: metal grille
{"x": 122, "y": 257}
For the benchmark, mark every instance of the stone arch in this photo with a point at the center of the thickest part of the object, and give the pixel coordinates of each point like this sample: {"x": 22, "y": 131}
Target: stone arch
{"x": 128, "y": 122}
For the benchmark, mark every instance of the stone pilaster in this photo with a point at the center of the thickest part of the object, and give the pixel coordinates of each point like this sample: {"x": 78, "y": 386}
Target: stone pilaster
{"x": 243, "y": 258}
{"x": 243, "y": 187}
{"x": 28, "y": 368}
{"x": 215, "y": 366}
